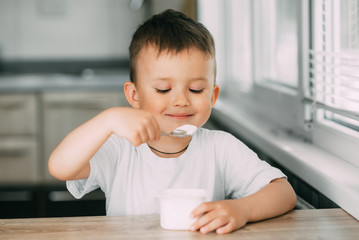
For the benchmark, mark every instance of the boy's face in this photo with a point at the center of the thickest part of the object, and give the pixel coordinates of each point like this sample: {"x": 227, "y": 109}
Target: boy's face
{"x": 176, "y": 88}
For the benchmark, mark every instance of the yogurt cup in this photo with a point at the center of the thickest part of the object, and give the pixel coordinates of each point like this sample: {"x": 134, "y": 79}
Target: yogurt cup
{"x": 176, "y": 206}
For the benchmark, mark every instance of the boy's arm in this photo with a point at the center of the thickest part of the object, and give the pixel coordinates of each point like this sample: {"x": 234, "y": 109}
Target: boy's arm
{"x": 275, "y": 199}
{"x": 70, "y": 159}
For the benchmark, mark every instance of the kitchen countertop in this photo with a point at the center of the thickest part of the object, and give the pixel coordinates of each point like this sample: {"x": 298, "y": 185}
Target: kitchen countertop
{"x": 56, "y": 82}
{"x": 298, "y": 224}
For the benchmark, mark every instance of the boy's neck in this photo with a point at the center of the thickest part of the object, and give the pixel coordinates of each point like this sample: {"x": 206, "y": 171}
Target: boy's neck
{"x": 169, "y": 147}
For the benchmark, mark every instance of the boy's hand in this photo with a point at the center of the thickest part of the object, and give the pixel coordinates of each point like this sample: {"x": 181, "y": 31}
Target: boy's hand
{"x": 136, "y": 125}
{"x": 222, "y": 216}
{"x": 70, "y": 159}
{"x": 276, "y": 198}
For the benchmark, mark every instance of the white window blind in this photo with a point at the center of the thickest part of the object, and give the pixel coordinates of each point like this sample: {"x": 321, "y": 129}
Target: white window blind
{"x": 334, "y": 60}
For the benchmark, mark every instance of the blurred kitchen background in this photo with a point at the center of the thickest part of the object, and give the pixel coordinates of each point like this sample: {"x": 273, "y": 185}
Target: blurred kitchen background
{"x": 71, "y": 36}
{"x": 61, "y": 62}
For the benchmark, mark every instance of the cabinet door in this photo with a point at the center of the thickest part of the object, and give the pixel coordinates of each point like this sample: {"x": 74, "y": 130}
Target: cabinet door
{"x": 18, "y": 114}
{"x": 19, "y": 161}
{"x": 64, "y": 111}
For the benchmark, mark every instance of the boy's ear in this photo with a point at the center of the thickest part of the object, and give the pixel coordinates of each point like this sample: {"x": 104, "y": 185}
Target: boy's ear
{"x": 215, "y": 94}
{"x": 131, "y": 94}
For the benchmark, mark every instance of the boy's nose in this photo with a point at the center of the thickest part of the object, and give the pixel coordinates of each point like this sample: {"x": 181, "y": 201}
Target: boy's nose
{"x": 180, "y": 99}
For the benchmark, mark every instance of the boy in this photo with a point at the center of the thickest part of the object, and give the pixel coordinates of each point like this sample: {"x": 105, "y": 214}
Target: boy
{"x": 172, "y": 71}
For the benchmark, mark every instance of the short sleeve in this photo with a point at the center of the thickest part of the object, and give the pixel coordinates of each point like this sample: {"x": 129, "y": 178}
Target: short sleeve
{"x": 244, "y": 172}
{"x": 102, "y": 170}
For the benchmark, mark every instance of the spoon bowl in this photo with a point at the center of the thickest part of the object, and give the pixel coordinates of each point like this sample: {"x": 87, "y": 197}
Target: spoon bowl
{"x": 182, "y": 131}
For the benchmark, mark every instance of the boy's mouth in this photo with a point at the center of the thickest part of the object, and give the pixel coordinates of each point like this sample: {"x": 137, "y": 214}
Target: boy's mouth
{"x": 180, "y": 115}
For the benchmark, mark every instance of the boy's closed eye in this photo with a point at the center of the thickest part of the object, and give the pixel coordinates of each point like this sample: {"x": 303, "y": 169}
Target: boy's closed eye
{"x": 168, "y": 89}
{"x": 163, "y": 90}
{"x": 196, "y": 90}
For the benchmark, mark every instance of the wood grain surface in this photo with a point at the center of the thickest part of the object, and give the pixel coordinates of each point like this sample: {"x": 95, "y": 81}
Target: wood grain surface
{"x": 298, "y": 224}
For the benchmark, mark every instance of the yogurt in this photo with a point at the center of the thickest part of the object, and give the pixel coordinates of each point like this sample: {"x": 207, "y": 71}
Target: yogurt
{"x": 187, "y": 128}
{"x": 176, "y": 206}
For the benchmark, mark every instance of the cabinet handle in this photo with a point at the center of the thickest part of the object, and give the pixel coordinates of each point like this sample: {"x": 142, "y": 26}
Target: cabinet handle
{"x": 12, "y": 105}
{"x": 18, "y": 196}
{"x": 76, "y": 105}
{"x": 61, "y": 196}
{"x": 12, "y": 153}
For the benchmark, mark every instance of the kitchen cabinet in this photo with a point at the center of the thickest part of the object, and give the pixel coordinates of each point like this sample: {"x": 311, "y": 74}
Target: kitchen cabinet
{"x": 18, "y": 114}
{"x": 33, "y": 124}
{"x": 48, "y": 201}
{"x": 36, "y": 113}
{"x": 64, "y": 111}
{"x": 19, "y": 139}
{"x": 19, "y": 160}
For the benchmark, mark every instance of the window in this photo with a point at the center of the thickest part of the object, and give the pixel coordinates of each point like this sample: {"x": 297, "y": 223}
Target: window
{"x": 296, "y": 63}
{"x": 276, "y": 41}
{"x": 263, "y": 41}
{"x": 238, "y": 51}
{"x": 333, "y": 84}
{"x": 334, "y": 61}
{"x": 214, "y": 18}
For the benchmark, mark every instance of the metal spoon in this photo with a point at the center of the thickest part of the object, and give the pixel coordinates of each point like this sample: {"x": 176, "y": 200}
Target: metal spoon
{"x": 182, "y": 131}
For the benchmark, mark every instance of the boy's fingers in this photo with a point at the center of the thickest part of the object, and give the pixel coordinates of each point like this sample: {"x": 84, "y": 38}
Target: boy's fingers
{"x": 205, "y": 215}
{"x": 202, "y": 221}
{"x": 150, "y": 132}
{"x": 143, "y": 135}
{"x": 202, "y": 209}
{"x": 156, "y": 130}
{"x": 225, "y": 229}
{"x": 213, "y": 225}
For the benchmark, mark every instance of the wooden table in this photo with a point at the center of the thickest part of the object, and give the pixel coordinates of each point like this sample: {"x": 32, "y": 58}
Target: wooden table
{"x": 299, "y": 224}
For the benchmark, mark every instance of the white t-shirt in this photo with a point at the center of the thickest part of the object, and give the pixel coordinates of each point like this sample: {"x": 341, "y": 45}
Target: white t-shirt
{"x": 132, "y": 177}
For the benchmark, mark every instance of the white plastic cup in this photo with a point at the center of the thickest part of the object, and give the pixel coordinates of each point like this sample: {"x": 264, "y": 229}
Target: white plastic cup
{"x": 177, "y": 205}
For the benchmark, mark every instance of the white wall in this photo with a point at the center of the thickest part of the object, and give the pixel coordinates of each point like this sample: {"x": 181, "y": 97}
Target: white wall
{"x": 66, "y": 29}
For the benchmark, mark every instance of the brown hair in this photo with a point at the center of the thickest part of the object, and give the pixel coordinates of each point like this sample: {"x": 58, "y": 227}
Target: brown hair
{"x": 170, "y": 31}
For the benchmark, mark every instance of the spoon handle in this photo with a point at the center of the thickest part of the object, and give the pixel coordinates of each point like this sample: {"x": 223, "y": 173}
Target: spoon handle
{"x": 173, "y": 134}
{"x": 166, "y": 134}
